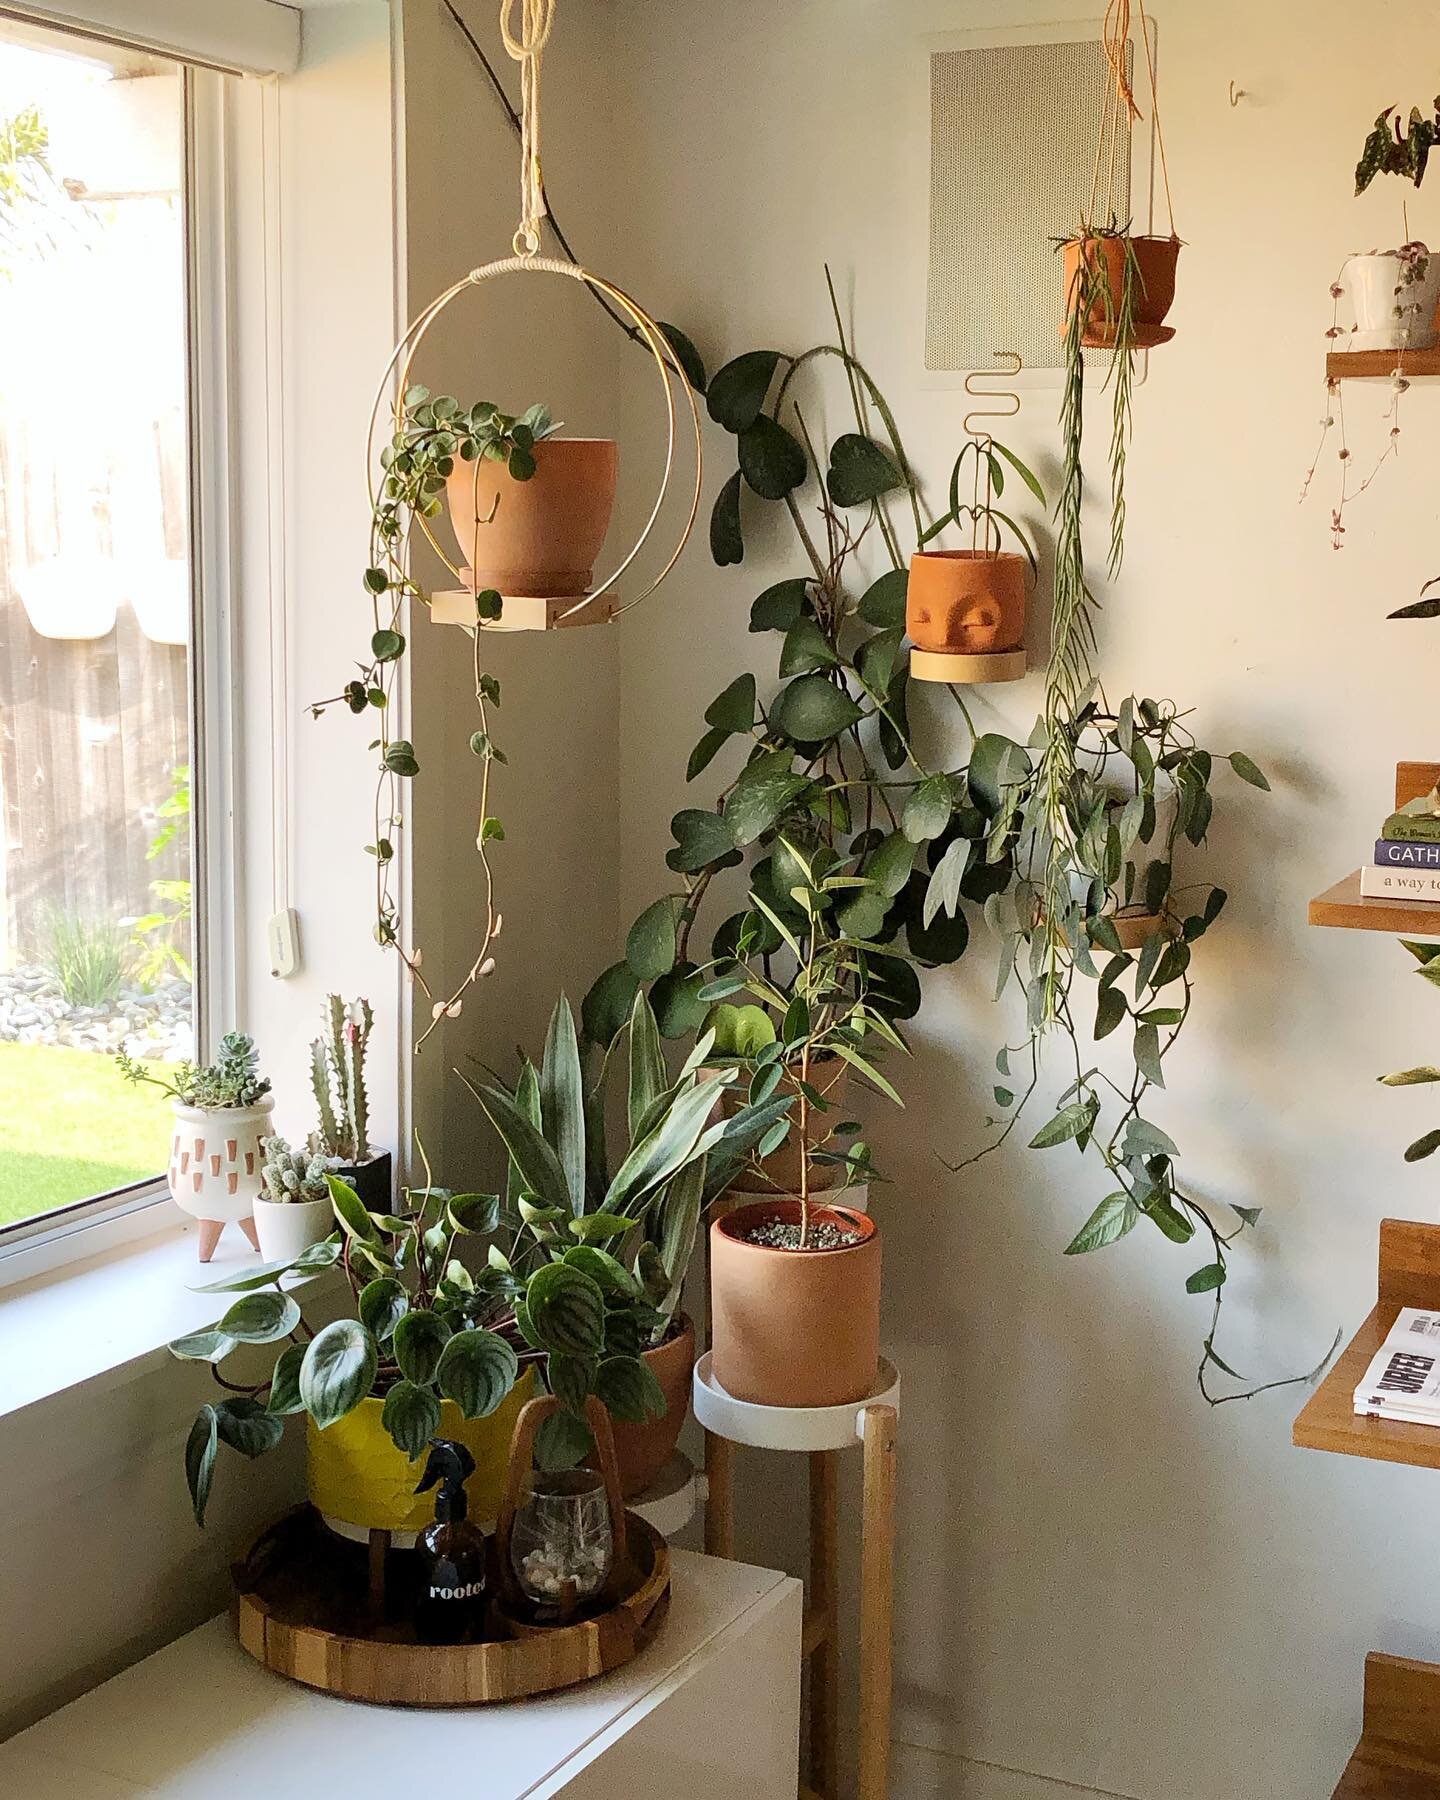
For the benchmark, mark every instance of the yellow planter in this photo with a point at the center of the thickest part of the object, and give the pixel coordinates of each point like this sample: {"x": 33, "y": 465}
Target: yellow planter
{"x": 356, "y": 1474}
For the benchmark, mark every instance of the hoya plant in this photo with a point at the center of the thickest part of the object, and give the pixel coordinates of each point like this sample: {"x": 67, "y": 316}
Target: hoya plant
{"x": 595, "y": 1241}
{"x": 431, "y": 434}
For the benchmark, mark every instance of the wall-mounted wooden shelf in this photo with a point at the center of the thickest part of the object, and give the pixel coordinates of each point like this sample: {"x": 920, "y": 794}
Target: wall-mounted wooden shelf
{"x": 1398, "y": 1757}
{"x": 1380, "y": 365}
{"x": 1409, "y": 1275}
{"x": 1345, "y": 906}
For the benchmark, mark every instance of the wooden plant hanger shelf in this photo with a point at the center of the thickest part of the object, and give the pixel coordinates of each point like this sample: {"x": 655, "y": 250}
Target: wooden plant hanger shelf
{"x": 954, "y": 668}
{"x": 1344, "y": 906}
{"x": 1380, "y": 365}
{"x": 1398, "y": 1756}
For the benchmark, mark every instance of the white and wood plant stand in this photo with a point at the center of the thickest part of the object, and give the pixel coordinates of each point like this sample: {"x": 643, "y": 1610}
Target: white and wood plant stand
{"x": 821, "y": 1434}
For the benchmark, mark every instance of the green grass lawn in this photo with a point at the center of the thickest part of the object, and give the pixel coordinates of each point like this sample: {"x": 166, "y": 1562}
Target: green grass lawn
{"x": 71, "y": 1128}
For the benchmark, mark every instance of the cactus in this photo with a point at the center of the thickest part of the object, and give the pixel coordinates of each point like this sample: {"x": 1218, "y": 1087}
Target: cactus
{"x": 337, "y": 1074}
{"x": 296, "y": 1175}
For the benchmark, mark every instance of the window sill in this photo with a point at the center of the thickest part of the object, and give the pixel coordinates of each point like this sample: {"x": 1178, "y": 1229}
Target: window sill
{"x": 82, "y": 1322}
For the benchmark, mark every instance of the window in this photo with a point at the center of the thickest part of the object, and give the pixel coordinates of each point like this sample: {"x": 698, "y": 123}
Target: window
{"x": 97, "y": 864}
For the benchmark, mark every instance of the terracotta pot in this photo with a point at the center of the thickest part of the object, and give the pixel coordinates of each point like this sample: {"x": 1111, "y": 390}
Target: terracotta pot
{"x": 779, "y": 1172}
{"x": 1155, "y": 260}
{"x": 540, "y": 536}
{"x": 644, "y": 1449}
{"x": 1135, "y": 927}
{"x": 966, "y": 602}
{"x": 794, "y": 1327}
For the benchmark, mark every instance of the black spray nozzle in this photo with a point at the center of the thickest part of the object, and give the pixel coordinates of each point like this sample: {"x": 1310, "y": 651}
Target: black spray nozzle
{"x": 449, "y": 1467}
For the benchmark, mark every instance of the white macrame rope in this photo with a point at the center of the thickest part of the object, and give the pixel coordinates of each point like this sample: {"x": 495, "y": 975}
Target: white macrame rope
{"x": 537, "y": 19}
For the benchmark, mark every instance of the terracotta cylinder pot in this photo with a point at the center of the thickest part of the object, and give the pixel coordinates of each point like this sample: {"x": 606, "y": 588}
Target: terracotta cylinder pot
{"x": 1155, "y": 260}
{"x": 794, "y": 1327}
{"x": 540, "y": 536}
{"x": 644, "y": 1449}
{"x": 965, "y": 601}
{"x": 779, "y": 1172}
{"x": 1135, "y": 927}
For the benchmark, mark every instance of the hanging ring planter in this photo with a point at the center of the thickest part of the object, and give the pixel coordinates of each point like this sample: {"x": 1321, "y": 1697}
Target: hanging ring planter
{"x": 597, "y": 601}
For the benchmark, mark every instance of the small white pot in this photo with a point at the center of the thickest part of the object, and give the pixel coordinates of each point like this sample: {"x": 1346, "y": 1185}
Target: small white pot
{"x": 287, "y": 1227}
{"x": 1389, "y": 315}
{"x": 216, "y": 1168}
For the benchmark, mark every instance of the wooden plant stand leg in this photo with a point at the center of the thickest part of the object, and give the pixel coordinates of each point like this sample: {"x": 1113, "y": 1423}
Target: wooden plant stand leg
{"x": 720, "y": 1497}
{"x": 878, "y": 1426}
{"x": 379, "y": 1550}
{"x": 822, "y": 1624}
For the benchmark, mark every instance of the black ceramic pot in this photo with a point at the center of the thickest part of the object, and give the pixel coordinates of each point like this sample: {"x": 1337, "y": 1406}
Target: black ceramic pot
{"x": 373, "y": 1181}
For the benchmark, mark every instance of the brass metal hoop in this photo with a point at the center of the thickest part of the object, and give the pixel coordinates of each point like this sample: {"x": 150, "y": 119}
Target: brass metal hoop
{"x": 665, "y": 360}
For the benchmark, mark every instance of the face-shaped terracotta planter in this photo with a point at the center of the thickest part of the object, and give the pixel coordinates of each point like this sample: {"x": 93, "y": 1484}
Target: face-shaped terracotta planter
{"x": 794, "y": 1327}
{"x": 540, "y": 536}
{"x": 1155, "y": 260}
{"x": 965, "y": 602}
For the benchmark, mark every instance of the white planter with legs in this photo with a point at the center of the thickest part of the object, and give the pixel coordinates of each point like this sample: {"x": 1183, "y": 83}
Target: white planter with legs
{"x": 1391, "y": 314}
{"x": 216, "y": 1165}
{"x": 286, "y": 1228}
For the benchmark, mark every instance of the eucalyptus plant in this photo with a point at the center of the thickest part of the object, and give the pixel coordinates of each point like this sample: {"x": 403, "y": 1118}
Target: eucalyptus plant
{"x": 431, "y": 434}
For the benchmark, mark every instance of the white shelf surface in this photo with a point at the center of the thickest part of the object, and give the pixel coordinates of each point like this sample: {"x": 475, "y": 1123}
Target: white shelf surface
{"x": 200, "y": 1720}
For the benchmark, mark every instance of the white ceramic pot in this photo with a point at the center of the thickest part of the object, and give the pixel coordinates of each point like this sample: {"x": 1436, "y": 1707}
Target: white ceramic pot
{"x": 1391, "y": 314}
{"x": 287, "y": 1227}
{"x": 216, "y": 1168}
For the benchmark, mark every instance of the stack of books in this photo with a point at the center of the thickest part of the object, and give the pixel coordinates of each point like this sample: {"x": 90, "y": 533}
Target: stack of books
{"x": 1407, "y": 855}
{"x": 1403, "y": 1379}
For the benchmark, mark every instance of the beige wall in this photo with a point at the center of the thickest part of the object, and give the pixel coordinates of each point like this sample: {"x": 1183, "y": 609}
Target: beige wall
{"x": 1102, "y": 1581}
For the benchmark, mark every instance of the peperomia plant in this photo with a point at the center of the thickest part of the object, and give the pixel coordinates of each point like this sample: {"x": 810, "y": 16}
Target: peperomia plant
{"x": 232, "y": 1079}
{"x": 431, "y": 433}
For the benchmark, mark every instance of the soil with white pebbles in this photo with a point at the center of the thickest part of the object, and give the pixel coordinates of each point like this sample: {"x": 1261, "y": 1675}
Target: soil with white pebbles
{"x": 154, "y": 1023}
{"x": 782, "y": 1234}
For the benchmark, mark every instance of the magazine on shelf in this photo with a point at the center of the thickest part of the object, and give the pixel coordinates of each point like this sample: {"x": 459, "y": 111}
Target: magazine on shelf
{"x": 1403, "y": 1379}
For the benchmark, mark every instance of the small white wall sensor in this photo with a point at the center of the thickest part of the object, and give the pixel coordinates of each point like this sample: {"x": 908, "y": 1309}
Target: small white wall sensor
{"x": 282, "y": 935}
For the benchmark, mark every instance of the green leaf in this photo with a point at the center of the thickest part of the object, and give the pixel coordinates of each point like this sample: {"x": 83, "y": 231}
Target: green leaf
{"x": 647, "y": 1073}
{"x": 883, "y": 602}
{"x": 737, "y": 391}
{"x": 382, "y": 1305}
{"x": 420, "y": 1340}
{"x": 676, "y": 1000}
{"x": 477, "y": 1370}
{"x": 260, "y": 1318}
{"x": 411, "y": 1415}
{"x": 1144, "y": 1139}
{"x": 705, "y": 753}
{"x": 740, "y": 1030}
{"x": 996, "y": 764}
{"x": 860, "y": 470}
{"x": 927, "y": 811}
{"x": 651, "y": 945}
{"x": 863, "y": 916}
{"x": 607, "y": 1270}
{"x": 385, "y": 646}
{"x": 355, "y": 1221}
{"x": 890, "y": 865}
{"x": 779, "y": 606}
{"x": 1247, "y": 770}
{"x": 688, "y": 357}
{"x": 562, "y": 1441}
{"x": 727, "y": 542}
{"x": 567, "y": 1310}
{"x": 1206, "y": 1280}
{"x": 285, "y": 1382}
{"x": 806, "y": 647}
{"x": 570, "y": 1378}
{"x": 1147, "y": 1053}
{"x": 200, "y": 1448}
{"x": 539, "y": 1167}
{"x": 202, "y": 1346}
{"x": 1070, "y": 1122}
{"x": 591, "y": 1226}
{"x": 562, "y": 1099}
{"x": 629, "y": 1390}
{"x": 734, "y": 709}
{"x": 771, "y": 460}
{"x": 666, "y": 1149}
{"x": 765, "y": 787}
{"x": 1423, "y": 1147}
{"x": 478, "y": 1214}
{"x": 399, "y": 758}
{"x": 1112, "y": 1218}
{"x": 1020, "y": 469}
{"x": 701, "y": 838}
{"x": 812, "y": 710}
{"x": 1110, "y": 1009}
{"x": 338, "y": 1370}
{"x": 607, "y": 1006}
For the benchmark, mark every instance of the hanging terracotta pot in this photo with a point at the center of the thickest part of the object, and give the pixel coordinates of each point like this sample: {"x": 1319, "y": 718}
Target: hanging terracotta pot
{"x": 1134, "y": 926}
{"x": 779, "y": 1172}
{"x": 795, "y": 1327}
{"x": 1154, "y": 291}
{"x": 541, "y": 536}
{"x": 643, "y": 1449}
{"x": 966, "y": 602}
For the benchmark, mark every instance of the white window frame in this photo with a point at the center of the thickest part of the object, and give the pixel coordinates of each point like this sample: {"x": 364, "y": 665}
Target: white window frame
{"x": 218, "y": 183}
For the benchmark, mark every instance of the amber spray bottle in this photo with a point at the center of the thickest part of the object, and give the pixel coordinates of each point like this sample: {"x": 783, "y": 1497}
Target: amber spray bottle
{"x": 451, "y": 1608}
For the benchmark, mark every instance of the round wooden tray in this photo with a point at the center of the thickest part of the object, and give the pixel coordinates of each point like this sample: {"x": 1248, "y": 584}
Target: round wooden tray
{"x": 303, "y": 1610}
{"x": 958, "y": 669}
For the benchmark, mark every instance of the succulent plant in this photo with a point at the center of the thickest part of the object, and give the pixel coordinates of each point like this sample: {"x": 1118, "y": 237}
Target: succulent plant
{"x": 337, "y": 1074}
{"x": 233, "y": 1079}
{"x": 296, "y": 1175}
